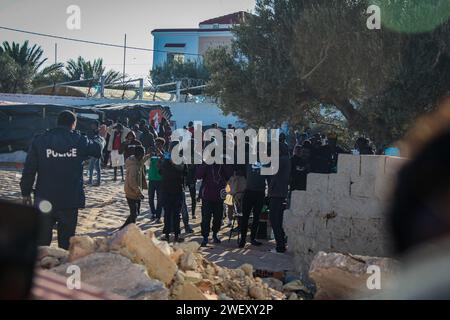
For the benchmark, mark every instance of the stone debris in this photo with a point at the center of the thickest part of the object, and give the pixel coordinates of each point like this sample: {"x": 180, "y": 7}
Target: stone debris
{"x": 136, "y": 265}
{"x": 192, "y": 276}
{"x": 295, "y": 285}
{"x": 139, "y": 248}
{"x": 188, "y": 246}
{"x": 117, "y": 274}
{"x": 176, "y": 255}
{"x": 344, "y": 276}
{"x": 188, "y": 262}
{"x": 274, "y": 283}
{"x": 293, "y": 296}
{"x": 50, "y": 257}
{"x": 81, "y": 246}
{"x": 187, "y": 291}
{"x": 101, "y": 244}
{"x": 49, "y": 262}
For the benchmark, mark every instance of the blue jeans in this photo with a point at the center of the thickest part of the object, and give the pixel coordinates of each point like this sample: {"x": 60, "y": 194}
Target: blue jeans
{"x": 94, "y": 163}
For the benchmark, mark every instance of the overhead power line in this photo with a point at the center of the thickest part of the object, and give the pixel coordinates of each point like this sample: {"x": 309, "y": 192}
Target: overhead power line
{"x": 92, "y": 42}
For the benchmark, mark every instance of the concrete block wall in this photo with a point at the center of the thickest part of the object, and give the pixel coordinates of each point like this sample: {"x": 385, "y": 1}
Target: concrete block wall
{"x": 343, "y": 212}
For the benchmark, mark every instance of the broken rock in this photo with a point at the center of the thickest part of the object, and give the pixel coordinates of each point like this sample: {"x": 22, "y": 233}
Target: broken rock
{"x": 293, "y": 296}
{"x": 176, "y": 255}
{"x": 256, "y": 292}
{"x": 117, "y": 274}
{"x": 58, "y": 253}
{"x": 49, "y": 262}
{"x": 248, "y": 269}
{"x": 192, "y": 276}
{"x": 274, "y": 283}
{"x": 206, "y": 286}
{"x": 191, "y": 246}
{"x": 101, "y": 244}
{"x": 81, "y": 246}
{"x": 188, "y": 262}
{"x": 343, "y": 276}
{"x": 133, "y": 244}
{"x": 189, "y": 291}
{"x": 295, "y": 285}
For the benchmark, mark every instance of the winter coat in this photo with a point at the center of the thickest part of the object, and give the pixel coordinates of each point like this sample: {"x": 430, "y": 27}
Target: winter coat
{"x": 135, "y": 180}
{"x": 56, "y": 158}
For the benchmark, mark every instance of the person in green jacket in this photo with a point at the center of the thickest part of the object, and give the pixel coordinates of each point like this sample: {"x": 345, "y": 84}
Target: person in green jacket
{"x": 154, "y": 178}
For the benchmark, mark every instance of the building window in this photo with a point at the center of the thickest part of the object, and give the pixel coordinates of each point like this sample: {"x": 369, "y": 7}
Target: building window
{"x": 175, "y": 45}
{"x": 216, "y": 26}
{"x": 178, "y": 57}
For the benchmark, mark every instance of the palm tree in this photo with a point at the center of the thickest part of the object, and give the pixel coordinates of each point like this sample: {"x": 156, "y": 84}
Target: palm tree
{"x": 50, "y": 75}
{"x": 84, "y": 69}
{"x": 91, "y": 71}
{"x": 28, "y": 64}
{"x": 24, "y": 55}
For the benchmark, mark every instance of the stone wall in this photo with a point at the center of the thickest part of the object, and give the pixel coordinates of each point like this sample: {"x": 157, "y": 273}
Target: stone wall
{"x": 343, "y": 212}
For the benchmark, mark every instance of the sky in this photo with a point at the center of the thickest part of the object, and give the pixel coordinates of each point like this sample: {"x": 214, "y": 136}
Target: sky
{"x": 108, "y": 21}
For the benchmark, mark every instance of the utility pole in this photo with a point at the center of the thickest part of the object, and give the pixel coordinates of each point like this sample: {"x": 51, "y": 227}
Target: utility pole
{"x": 56, "y": 53}
{"x": 124, "y": 56}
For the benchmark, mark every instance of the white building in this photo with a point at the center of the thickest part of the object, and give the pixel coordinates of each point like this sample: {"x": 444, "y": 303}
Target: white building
{"x": 191, "y": 44}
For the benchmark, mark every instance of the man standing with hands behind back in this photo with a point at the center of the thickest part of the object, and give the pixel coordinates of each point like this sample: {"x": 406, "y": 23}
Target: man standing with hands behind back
{"x": 57, "y": 157}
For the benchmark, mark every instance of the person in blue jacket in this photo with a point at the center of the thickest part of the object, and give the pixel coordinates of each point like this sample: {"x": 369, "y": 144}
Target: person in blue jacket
{"x": 56, "y": 158}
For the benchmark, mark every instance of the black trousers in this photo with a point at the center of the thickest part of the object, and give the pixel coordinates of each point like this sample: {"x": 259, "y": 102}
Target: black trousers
{"x": 211, "y": 210}
{"x": 172, "y": 208}
{"x": 66, "y": 223}
{"x": 135, "y": 210}
{"x": 276, "y": 207}
{"x": 155, "y": 188}
{"x": 115, "y": 172}
{"x": 105, "y": 157}
{"x": 193, "y": 194}
{"x": 252, "y": 201}
{"x": 184, "y": 211}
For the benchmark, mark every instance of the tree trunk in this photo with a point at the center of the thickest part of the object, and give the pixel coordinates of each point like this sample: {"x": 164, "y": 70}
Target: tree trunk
{"x": 375, "y": 131}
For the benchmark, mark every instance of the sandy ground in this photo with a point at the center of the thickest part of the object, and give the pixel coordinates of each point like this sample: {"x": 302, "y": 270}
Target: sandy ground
{"x": 106, "y": 210}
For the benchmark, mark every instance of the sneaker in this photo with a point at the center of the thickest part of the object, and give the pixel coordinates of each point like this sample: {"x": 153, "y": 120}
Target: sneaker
{"x": 256, "y": 243}
{"x": 278, "y": 250}
{"x": 204, "y": 242}
{"x": 153, "y": 217}
{"x": 241, "y": 244}
{"x": 179, "y": 239}
{"x": 158, "y": 221}
{"x": 166, "y": 238}
{"x": 216, "y": 239}
{"x": 189, "y": 230}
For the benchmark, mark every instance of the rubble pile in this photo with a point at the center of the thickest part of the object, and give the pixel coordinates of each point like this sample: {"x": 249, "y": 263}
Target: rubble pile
{"x": 50, "y": 257}
{"x": 345, "y": 276}
{"x": 136, "y": 265}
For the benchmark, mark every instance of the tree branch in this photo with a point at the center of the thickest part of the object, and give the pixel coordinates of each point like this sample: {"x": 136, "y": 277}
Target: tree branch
{"x": 324, "y": 56}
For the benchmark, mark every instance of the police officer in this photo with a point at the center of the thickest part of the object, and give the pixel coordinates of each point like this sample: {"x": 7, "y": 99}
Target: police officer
{"x": 57, "y": 157}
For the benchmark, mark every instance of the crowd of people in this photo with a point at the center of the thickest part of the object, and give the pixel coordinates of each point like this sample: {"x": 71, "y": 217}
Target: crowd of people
{"x": 56, "y": 161}
{"x": 142, "y": 153}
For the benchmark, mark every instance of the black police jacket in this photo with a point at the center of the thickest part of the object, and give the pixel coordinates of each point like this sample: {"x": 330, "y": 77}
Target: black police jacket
{"x": 57, "y": 157}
